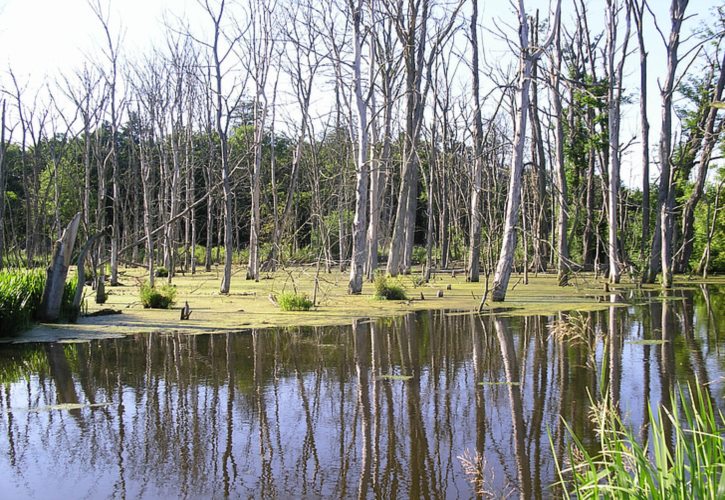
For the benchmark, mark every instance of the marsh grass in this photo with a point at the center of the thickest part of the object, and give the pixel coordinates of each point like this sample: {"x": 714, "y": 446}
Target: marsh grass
{"x": 576, "y": 330}
{"x": 386, "y": 289}
{"x": 686, "y": 462}
{"x": 291, "y": 301}
{"x": 20, "y": 294}
{"x": 475, "y": 467}
{"x": 161, "y": 297}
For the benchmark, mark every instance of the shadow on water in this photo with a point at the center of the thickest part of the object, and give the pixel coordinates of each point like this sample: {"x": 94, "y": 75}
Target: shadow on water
{"x": 377, "y": 409}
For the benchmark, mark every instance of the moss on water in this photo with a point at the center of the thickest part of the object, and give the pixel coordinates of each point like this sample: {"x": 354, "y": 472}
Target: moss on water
{"x": 248, "y": 304}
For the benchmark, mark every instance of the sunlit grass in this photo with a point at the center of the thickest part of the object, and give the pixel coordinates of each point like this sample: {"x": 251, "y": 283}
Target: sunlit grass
{"x": 20, "y": 296}
{"x": 683, "y": 458}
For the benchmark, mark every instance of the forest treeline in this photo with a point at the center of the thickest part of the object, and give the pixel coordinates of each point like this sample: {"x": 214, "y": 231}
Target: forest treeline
{"x": 366, "y": 132}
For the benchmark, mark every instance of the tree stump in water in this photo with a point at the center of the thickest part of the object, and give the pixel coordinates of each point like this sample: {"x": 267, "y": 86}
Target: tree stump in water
{"x": 58, "y": 271}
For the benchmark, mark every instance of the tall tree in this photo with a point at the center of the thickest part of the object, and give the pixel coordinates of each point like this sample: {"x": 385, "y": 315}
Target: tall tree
{"x": 562, "y": 249}
{"x": 638, "y": 8}
{"x": 111, "y": 77}
{"x": 615, "y": 72}
{"x": 362, "y": 167}
{"x": 261, "y": 48}
{"x": 661, "y": 253}
{"x": 411, "y": 24}
{"x": 527, "y": 56}
{"x": 474, "y": 252}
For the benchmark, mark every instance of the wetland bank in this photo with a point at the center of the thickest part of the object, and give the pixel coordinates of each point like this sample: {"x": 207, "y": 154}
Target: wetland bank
{"x": 380, "y": 407}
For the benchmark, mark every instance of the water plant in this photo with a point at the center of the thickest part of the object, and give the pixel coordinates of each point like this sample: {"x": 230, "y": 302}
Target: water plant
{"x": 683, "y": 458}
{"x": 291, "y": 301}
{"x": 20, "y": 294}
{"x": 385, "y": 289}
{"x": 161, "y": 297}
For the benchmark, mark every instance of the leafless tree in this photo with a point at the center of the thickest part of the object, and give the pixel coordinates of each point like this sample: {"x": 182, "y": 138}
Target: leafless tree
{"x": 527, "y": 56}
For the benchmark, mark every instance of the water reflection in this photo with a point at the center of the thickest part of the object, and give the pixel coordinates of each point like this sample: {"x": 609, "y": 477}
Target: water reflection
{"x": 378, "y": 409}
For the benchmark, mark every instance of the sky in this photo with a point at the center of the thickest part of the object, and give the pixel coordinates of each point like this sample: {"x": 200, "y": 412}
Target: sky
{"x": 42, "y": 38}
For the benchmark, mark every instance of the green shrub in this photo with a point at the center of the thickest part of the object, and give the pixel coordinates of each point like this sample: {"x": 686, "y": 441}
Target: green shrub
{"x": 161, "y": 272}
{"x": 20, "y": 295}
{"x": 687, "y": 461}
{"x": 386, "y": 290}
{"x": 290, "y": 301}
{"x": 419, "y": 255}
{"x": 157, "y": 298}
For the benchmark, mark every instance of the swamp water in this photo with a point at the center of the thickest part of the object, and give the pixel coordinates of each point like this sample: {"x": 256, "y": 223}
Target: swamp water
{"x": 378, "y": 409}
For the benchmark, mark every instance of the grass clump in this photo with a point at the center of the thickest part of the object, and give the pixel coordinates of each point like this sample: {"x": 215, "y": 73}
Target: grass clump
{"x": 683, "y": 458}
{"x": 157, "y": 298}
{"x": 20, "y": 295}
{"x": 161, "y": 272}
{"x": 291, "y": 301}
{"x": 66, "y": 305}
{"x": 385, "y": 289}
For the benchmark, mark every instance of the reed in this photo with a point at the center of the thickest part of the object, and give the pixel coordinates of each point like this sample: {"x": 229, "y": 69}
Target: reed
{"x": 20, "y": 294}
{"x": 683, "y": 458}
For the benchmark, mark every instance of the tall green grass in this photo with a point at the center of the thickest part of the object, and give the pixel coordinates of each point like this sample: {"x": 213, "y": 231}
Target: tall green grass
{"x": 21, "y": 292}
{"x": 20, "y": 296}
{"x": 683, "y": 458}
{"x": 291, "y": 301}
{"x": 162, "y": 297}
{"x": 387, "y": 289}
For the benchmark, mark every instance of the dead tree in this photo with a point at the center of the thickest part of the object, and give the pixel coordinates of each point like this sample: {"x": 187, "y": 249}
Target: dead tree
{"x": 527, "y": 56}
{"x": 661, "y": 252}
{"x": 474, "y": 252}
{"x": 615, "y": 70}
{"x": 58, "y": 271}
{"x": 362, "y": 168}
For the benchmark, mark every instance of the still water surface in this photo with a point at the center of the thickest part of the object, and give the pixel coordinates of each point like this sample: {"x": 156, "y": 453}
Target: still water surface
{"x": 376, "y": 409}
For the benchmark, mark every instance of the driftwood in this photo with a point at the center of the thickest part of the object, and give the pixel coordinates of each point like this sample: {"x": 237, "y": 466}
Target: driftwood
{"x": 58, "y": 271}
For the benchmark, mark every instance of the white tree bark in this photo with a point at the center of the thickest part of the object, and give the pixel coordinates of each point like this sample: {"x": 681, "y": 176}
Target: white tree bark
{"x": 58, "y": 271}
{"x": 513, "y": 202}
{"x": 362, "y": 168}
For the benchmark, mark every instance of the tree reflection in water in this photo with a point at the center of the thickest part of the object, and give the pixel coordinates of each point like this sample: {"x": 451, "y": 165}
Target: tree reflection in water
{"x": 377, "y": 409}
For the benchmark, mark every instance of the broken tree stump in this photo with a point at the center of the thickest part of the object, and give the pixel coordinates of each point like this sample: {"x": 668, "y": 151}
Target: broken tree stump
{"x": 58, "y": 271}
{"x": 185, "y": 311}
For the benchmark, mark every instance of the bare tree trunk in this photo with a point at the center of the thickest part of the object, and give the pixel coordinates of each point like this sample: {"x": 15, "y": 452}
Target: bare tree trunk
{"x": 614, "y": 100}
{"x": 112, "y": 79}
{"x": 559, "y": 167}
{"x": 705, "y": 259}
{"x": 147, "y": 199}
{"x": 474, "y": 247}
{"x": 661, "y": 254}
{"x": 58, "y": 271}
{"x": 261, "y": 48}
{"x": 709, "y": 141}
{"x": 513, "y": 202}
{"x": 638, "y": 9}
{"x": 362, "y": 169}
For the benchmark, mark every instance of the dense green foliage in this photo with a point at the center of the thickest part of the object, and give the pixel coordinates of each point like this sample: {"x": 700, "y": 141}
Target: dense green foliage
{"x": 683, "y": 458}
{"x": 387, "y": 289}
{"x": 20, "y": 296}
{"x": 157, "y": 297}
{"x": 162, "y": 272}
{"x": 291, "y": 301}
{"x": 21, "y": 292}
